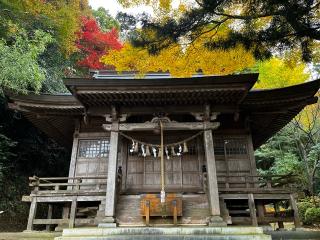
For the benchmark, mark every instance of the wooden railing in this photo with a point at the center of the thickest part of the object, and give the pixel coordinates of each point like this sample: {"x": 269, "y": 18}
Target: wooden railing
{"x": 254, "y": 183}
{"x": 98, "y": 184}
{"x": 67, "y": 185}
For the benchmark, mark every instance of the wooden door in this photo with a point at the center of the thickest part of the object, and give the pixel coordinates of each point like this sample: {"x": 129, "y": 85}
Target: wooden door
{"x": 182, "y": 173}
{"x": 92, "y": 160}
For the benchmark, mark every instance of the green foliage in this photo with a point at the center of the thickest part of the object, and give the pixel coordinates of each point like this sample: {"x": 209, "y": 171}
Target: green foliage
{"x": 105, "y": 20}
{"x": 291, "y": 151}
{"x": 6, "y": 154}
{"x": 20, "y": 70}
{"x": 303, "y": 206}
{"x": 60, "y": 20}
{"x": 56, "y": 66}
{"x": 312, "y": 216}
{"x": 287, "y": 163}
{"x": 128, "y": 25}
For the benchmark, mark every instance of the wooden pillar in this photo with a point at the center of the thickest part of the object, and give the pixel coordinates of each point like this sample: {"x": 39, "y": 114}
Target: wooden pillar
{"x": 260, "y": 209}
{"x": 73, "y": 160}
{"x": 213, "y": 194}
{"x": 73, "y": 212}
{"x": 253, "y": 212}
{"x": 65, "y": 211}
{"x": 147, "y": 213}
{"x": 112, "y": 176}
{"x": 261, "y": 212}
{"x": 32, "y": 213}
{"x": 49, "y": 216}
{"x": 278, "y": 214}
{"x": 296, "y": 218}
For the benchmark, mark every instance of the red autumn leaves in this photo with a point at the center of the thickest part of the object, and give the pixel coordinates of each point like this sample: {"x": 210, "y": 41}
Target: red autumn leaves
{"x": 93, "y": 44}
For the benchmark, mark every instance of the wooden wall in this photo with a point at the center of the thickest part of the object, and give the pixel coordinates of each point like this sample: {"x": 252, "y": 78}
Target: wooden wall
{"x": 184, "y": 174}
{"x": 233, "y": 154}
{"x": 234, "y": 157}
{"x": 195, "y": 210}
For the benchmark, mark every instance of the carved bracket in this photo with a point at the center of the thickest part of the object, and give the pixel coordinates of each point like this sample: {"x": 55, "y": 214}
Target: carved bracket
{"x": 201, "y": 116}
{"x": 121, "y": 118}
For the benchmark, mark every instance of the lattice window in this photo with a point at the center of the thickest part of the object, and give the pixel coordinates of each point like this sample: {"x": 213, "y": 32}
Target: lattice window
{"x": 219, "y": 147}
{"x": 230, "y": 146}
{"x": 98, "y": 148}
{"x": 236, "y": 147}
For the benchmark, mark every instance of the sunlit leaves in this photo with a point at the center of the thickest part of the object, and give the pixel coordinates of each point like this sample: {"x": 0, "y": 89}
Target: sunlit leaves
{"x": 181, "y": 60}
{"x": 277, "y": 73}
{"x": 93, "y": 43}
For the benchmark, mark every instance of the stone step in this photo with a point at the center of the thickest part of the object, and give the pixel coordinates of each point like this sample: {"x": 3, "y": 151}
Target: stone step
{"x": 170, "y": 237}
{"x": 29, "y": 235}
{"x": 192, "y": 230}
{"x": 171, "y": 233}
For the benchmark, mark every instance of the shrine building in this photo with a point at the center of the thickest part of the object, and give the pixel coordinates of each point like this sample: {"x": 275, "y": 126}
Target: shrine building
{"x": 160, "y": 150}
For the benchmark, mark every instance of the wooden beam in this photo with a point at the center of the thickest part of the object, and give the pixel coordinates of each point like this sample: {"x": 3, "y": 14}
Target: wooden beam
{"x": 49, "y": 216}
{"x": 177, "y": 109}
{"x": 90, "y": 197}
{"x": 32, "y": 214}
{"x": 65, "y": 211}
{"x": 50, "y": 221}
{"x": 253, "y": 211}
{"x": 148, "y": 126}
{"x": 112, "y": 173}
{"x": 73, "y": 212}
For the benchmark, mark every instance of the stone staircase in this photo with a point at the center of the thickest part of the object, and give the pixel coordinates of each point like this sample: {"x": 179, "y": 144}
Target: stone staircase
{"x": 170, "y": 233}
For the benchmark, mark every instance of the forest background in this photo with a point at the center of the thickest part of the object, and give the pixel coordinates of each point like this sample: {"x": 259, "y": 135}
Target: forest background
{"x": 41, "y": 42}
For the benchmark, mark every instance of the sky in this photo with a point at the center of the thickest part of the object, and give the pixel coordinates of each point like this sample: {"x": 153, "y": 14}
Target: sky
{"x": 113, "y": 6}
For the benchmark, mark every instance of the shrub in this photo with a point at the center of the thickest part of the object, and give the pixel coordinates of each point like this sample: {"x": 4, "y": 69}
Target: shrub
{"x": 302, "y": 208}
{"x": 312, "y": 215}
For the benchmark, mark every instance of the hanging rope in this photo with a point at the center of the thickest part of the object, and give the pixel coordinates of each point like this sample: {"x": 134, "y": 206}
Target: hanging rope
{"x": 162, "y": 193}
{"x": 164, "y": 145}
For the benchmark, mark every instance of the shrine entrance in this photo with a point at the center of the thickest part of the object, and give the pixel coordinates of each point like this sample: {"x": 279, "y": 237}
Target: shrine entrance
{"x": 182, "y": 173}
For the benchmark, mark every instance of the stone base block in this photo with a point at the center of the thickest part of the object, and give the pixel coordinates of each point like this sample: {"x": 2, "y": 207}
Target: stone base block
{"x": 107, "y": 225}
{"x": 216, "y": 221}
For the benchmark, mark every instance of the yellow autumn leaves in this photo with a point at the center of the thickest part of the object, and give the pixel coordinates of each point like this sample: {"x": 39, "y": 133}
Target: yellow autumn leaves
{"x": 278, "y": 73}
{"x": 273, "y": 73}
{"x": 181, "y": 62}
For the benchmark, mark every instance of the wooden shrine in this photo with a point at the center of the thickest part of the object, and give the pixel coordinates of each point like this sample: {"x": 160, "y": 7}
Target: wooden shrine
{"x": 162, "y": 150}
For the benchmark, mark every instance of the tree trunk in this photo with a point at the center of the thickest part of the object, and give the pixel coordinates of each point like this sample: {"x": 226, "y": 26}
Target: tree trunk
{"x": 304, "y": 158}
